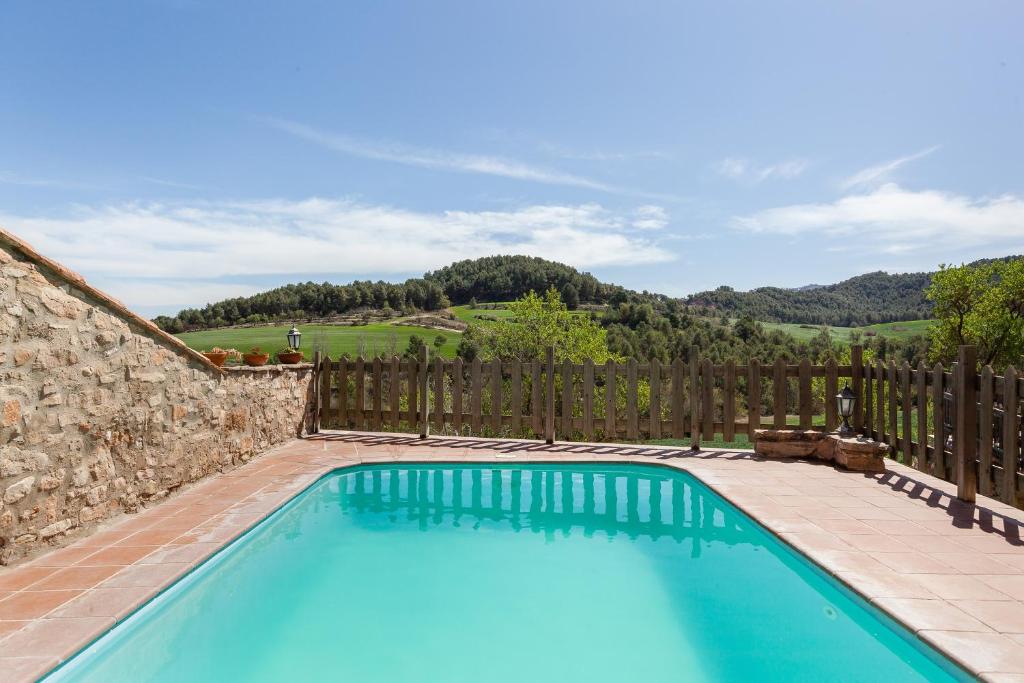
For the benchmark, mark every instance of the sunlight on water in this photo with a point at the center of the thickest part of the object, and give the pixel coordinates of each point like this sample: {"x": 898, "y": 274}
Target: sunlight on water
{"x": 507, "y": 573}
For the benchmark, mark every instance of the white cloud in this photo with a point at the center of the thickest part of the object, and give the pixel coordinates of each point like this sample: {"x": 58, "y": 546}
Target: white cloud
{"x": 879, "y": 173}
{"x": 438, "y": 159}
{"x": 896, "y": 220}
{"x": 738, "y": 168}
{"x": 138, "y": 248}
{"x": 650, "y": 217}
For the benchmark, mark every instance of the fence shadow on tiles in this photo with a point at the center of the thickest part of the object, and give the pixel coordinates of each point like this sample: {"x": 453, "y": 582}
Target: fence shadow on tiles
{"x": 921, "y": 412}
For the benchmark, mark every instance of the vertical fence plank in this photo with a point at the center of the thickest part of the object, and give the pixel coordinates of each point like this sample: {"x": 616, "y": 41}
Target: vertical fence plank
{"x": 1011, "y": 436}
{"x": 779, "y": 388}
{"x": 496, "y": 397}
{"x": 438, "y": 395}
{"x": 567, "y": 390}
{"x": 939, "y": 422}
{"x": 588, "y": 399}
{"x": 985, "y": 400}
{"x": 729, "y": 402}
{"x": 694, "y": 403}
{"x": 322, "y": 395}
{"x": 609, "y": 401}
{"x": 343, "y": 392}
{"x": 831, "y": 389}
{"x": 894, "y": 438}
{"x": 805, "y": 394}
{"x": 536, "y": 409}
{"x": 655, "y": 400}
{"x": 424, "y": 392}
{"x": 869, "y": 402}
{"x": 965, "y": 432}
{"x": 549, "y": 396}
{"x": 475, "y": 396}
{"x": 359, "y": 372}
{"x": 880, "y": 402}
{"x": 632, "y": 421}
{"x": 908, "y": 438}
{"x": 753, "y": 397}
{"x": 677, "y": 399}
{"x": 457, "y": 376}
{"x": 378, "y": 390}
{"x": 708, "y": 399}
{"x": 517, "y": 397}
{"x": 857, "y": 379}
{"x": 922, "y": 416}
{"x": 394, "y": 392}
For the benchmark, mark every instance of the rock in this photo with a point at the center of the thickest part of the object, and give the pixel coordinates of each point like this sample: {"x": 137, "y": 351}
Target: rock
{"x": 55, "y": 528}
{"x": 853, "y": 453}
{"x": 22, "y": 356}
{"x": 19, "y": 490}
{"x": 12, "y": 413}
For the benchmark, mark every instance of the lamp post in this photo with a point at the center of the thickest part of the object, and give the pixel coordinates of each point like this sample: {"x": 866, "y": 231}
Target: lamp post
{"x": 294, "y": 337}
{"x": 845, "y": 400}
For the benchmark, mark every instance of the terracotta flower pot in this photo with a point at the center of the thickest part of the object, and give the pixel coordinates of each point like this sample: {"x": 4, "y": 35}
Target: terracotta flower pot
{"x": 290, "y": 358}
{"x": 255, "y": 359}
{"x": 216, "y": 357}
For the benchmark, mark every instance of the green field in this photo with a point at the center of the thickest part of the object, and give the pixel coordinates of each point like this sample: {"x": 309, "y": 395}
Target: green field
{"x": 370, "y": 340}
{"x": 385, "y": 338}
{"x": 898, "y": 330}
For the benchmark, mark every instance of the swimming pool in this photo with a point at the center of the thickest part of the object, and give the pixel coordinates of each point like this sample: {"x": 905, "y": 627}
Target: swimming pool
{"x": 508, "y": 573}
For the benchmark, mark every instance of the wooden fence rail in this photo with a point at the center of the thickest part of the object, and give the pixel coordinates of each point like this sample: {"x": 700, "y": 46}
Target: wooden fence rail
{"x": 920, "y": 412}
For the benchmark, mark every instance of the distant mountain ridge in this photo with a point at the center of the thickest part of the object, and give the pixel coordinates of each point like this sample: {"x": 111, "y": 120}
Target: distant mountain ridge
{"x": 871, "y": 298}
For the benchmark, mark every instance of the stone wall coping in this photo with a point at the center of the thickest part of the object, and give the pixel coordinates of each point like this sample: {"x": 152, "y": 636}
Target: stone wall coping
{"x": 63, "y": 273}
{"x": 294, "y": 367}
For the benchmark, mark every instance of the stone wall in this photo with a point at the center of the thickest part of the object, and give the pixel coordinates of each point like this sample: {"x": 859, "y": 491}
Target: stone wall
{"x": 103, "y": 413}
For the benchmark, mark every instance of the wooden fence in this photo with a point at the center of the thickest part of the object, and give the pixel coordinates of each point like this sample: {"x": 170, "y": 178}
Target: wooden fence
{"x": 917, "y": 411}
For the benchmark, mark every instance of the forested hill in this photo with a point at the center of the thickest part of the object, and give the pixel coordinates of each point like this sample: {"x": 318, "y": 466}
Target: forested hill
{"x": 505, "y": 278}
{"x": 863, "y": 300}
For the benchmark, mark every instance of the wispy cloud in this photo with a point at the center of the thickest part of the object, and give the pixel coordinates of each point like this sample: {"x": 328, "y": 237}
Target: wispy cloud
{"x": 741, "y": 169}
{"x": 170, "y": 183}
{"x": 879, "y": 173}
{"x": 136, "y": 249}
{"x": 8, "y": 178}
{"x": 437, "y": 159}
{"x": 899, "y": 220}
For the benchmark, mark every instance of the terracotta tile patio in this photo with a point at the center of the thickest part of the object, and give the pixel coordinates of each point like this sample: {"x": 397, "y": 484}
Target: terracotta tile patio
{"x": 952, "y": 573}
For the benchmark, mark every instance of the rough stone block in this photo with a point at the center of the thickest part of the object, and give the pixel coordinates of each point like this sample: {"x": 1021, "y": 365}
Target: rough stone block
{"x": 18, "y": 490}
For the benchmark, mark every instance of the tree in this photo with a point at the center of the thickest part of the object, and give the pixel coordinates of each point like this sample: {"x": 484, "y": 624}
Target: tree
{"x": 439, "y": 341}
{"x": 981, "y": 305}
{"x": 570, "y": 296}
{"x": 538, "y": 322}
{"x": 415, "y": 344}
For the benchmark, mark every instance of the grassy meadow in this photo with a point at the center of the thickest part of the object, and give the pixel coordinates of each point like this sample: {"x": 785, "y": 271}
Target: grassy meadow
{"x": 369, "y": 340}
{"x": 385, "y": 338}
{"x": 897, "y": 330}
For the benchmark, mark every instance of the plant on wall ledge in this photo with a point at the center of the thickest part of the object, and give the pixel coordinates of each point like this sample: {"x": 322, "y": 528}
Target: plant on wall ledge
{"x": 255, "y": 357}
{"x": 289, "y": 356}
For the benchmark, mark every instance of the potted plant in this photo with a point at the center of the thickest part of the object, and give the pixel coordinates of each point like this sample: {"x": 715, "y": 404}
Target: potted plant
{"x": 216, "y": 355}
{"x": 255, "y": 357}
{"x": 289, "y": 356}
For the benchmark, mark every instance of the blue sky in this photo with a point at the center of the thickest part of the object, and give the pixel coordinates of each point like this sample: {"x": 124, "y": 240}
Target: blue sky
{"x": 176, "y": 152}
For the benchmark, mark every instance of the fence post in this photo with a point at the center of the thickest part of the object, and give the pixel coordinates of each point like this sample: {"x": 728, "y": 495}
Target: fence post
{"x": 857, "y": 376}
{"x": 965, "y": 434}
{"x": 549, "y": 396}
{"x": 314, "y": 426}
{"x": 424, "y": 404}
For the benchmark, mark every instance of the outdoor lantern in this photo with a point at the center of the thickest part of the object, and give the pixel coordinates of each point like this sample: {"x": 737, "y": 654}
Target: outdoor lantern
{"x": 293, "y": 338}
{"x": 845, "y": 399}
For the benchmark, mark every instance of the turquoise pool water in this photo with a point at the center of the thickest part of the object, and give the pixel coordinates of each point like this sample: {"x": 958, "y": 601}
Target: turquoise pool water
{"x": 507, "y": 573}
